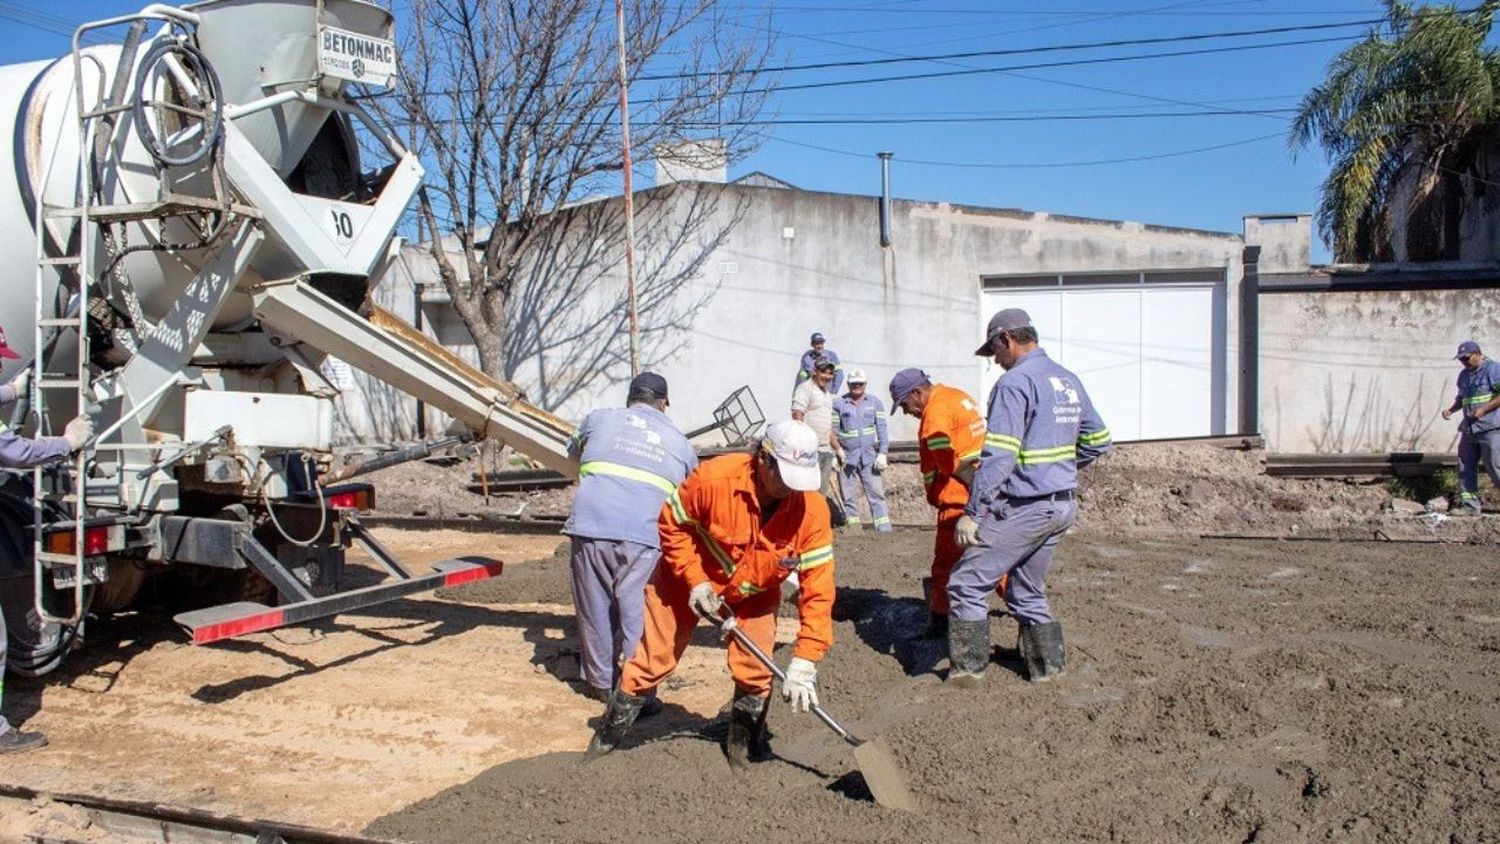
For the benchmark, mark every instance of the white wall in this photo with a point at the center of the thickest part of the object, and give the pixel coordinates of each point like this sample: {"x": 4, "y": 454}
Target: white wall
{"x": 1364, "y": 371}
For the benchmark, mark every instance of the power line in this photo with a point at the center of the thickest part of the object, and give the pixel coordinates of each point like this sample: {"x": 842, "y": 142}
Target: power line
{"x": 1041, "y": 165}
{"x": 943, "y": 74}
{"x": 1020, "y": 51}
{"x": 1005, "y": 118}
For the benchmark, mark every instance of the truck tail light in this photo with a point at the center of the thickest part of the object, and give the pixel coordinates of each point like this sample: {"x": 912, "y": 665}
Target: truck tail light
{"x": 95, "y": 541}
{"x": 358, "y": 499}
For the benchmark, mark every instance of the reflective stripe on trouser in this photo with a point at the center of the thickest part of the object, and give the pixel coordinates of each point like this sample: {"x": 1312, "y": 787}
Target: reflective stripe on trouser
{"x": 852, "y": 479}
{"x": 669, "y": 624}
{"x": 609, "y": 582}
{"x": 1018, "y": 543}
{"x": 945, "y": 554}
{"x": 1474, "y": 449}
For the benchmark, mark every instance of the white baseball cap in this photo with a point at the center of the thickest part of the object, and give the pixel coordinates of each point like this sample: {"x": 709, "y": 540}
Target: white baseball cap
{"x": 795, "y": 447}
{"x": 857, "y": 376}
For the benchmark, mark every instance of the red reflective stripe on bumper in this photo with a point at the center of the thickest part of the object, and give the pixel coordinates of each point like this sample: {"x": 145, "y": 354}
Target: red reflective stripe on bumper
{"x": 480, "y": 571}
{"x": 237, "y": 627}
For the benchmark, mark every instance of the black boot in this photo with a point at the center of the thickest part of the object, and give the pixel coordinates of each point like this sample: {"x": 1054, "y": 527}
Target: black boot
{"x": 1041, "y": 648}
{"x": 968, "y": 652}
{"x": 15, "y": 741}
{"x": 622, "y": 712}
{"x": 747, "y": 729}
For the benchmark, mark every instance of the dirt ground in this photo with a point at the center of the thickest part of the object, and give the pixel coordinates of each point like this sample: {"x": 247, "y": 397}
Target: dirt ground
{"x": 1139, "y": 490}
{"x": 1218, "y": 690}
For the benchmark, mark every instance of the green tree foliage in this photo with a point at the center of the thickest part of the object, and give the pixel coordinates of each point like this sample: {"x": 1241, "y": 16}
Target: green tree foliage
{"x": 1405, "y": 118}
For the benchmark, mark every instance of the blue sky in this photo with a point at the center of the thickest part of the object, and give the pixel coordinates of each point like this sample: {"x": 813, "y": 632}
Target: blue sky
{"x": 1067, "y": 135}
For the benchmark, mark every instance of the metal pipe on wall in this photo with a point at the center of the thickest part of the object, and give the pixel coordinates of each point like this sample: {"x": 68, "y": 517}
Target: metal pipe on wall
{"x": 885, "y": 197}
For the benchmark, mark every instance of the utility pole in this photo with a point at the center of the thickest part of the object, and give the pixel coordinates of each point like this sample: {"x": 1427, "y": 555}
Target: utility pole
{"x": 635, "y": 336}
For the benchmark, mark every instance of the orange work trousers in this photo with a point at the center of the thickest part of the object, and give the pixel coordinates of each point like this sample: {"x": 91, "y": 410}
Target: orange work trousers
{"x": 945, "y": 554}
{"x": 669, "y": 624}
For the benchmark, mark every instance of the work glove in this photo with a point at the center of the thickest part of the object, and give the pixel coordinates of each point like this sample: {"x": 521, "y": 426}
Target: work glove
{"x": 966, "y": 532}
{"x": 19, "y": 383}
{"x": 705, "y": 601}
{"x": 800, "y": 686}
{"x": 880, "y": 463}
{"x": 79, "y": 431}
{"x": 839, "y": 458}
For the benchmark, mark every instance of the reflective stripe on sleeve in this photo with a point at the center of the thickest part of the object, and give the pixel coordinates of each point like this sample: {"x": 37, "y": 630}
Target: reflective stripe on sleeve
{"x": 1099, "y": 436}
{"x": 939, "y": 443}
{"x": 929, "y": 477}
{"x": 816, "y": 557}
{"x": 1048, "y": 455}
{"x": 1002, "y": 442}
{"x": 971, "y": 455}
{"x": 629, "y": 473}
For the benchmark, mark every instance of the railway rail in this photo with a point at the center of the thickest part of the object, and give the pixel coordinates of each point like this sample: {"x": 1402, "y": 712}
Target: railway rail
{"x": 129, "y": 821}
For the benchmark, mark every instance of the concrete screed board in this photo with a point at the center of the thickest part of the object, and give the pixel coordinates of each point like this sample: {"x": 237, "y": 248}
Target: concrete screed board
{"x": 1145, "y": 352}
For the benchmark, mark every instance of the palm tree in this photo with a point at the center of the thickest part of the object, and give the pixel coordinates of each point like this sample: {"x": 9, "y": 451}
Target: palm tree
{"x": 1406, "y": 117}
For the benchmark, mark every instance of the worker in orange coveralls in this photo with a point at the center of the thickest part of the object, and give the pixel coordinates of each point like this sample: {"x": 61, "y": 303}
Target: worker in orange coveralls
{"x": 736, "y": 528}
{"x": 949, "y": 440}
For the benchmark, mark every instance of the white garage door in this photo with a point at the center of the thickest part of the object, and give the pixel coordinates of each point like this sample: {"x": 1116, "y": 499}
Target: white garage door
{"x": 1144, "y": 352}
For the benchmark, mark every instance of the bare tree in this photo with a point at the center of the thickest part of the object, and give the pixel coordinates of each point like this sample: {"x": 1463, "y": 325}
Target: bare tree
{"x": 514, "y": 106}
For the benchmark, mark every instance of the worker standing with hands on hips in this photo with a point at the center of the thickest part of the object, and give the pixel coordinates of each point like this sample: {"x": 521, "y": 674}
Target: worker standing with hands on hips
{"x": 736, "y": 528}
{"x": 819, "y": 351}
{"x": 18, "y": 452}
{"x": 1041, "y": 429}
{"x": 1479, "y": 428}
{"x": 861, "y": 430}
{"x": 631, "y": 459}
{"x": 949, "y": 440}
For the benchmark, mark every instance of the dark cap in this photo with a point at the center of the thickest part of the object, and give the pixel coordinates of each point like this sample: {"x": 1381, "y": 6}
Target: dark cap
{"x": 825, "y": 363}
{"x": 904, "y": 382}
{"x": 1007, "y": 320}
{"x": 817, "y": 337}
{"x": 648, "y": 382}
{"x": 1466, "y": 348}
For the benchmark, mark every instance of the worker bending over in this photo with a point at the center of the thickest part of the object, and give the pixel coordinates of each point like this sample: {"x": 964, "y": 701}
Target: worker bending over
{"x": 949, "y": 440}
{"x": 736, "y": 528}
{"x": 860, "y": 427}
{"x": 18, "y": 452}
{"x": 631, "y": 459}
{"x": 1041, "y": 429}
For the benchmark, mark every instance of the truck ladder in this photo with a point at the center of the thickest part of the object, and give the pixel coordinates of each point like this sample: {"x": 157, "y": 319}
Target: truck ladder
{"x": 74, "y": 228}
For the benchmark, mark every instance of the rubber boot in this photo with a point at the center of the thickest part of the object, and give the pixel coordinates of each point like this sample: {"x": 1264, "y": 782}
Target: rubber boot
{"x": 1042, "y": 650}
{"x": 968, "y": 652}
{"x": 747, "y": 729}
{"x": 622, "y": 712}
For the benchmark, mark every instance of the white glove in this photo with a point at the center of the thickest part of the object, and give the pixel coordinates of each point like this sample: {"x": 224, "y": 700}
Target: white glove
{"x": 839, "y": 458}
{"x": 966, "y": 532}
{"x": 880, "y": 463}
{"x": 19, "y": 383}
{"x": 704, "y": 601}
{"x": 79, "y": 431}
{"x": 800, "y": 686}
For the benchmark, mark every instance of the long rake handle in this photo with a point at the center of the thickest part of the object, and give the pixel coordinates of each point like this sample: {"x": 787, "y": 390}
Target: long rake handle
{"x": 730, "y": 626}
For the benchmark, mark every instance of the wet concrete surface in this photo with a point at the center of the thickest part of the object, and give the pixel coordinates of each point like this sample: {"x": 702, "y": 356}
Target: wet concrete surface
{"x": 1216, "y": 691}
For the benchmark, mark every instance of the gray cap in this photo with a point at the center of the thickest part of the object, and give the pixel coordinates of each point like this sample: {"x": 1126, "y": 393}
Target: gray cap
{"x": 1007, "y": 320}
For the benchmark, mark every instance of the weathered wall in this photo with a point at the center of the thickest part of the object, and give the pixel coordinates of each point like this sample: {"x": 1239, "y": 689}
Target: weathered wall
{"x": 1365, "y": 371}
{"x": 795, "y": 262}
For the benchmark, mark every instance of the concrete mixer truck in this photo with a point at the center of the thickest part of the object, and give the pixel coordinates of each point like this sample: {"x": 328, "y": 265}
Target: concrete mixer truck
{"x": 190, "y": 222}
